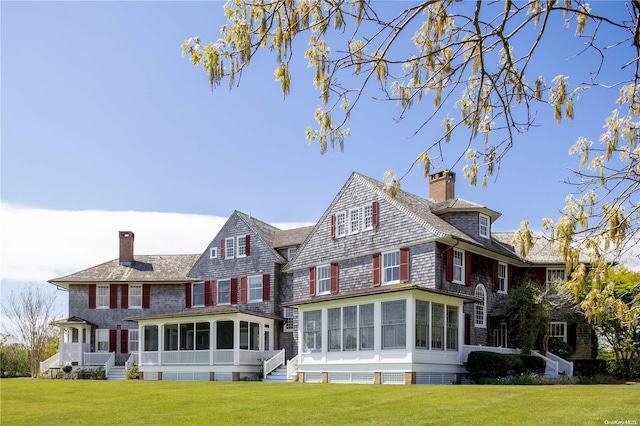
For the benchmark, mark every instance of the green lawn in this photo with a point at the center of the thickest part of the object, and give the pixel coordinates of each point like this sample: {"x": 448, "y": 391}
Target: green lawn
{"x": 84, "y": 402}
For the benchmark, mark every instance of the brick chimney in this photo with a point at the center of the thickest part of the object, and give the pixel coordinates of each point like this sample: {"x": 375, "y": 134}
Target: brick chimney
{"x": 442, "y": 186}
{"x": 126, "y": 248}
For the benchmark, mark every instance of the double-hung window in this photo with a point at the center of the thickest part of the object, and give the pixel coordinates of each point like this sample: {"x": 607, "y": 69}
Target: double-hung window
{"x": 323, "y": 279}
{"x": 133, "y": 340}
{"x": 341, "y": 224}
{"x": 366, "y": 327}
{"x": 437, "y": 326}
{"x": 394, "y": 323}
{"x": 558, "y": 330}
{"x": 288, "y": 314}
{"x": 354, "y": 220}
{"x": 555, "y": 277}
{"x": 422, "y": 324}
{"x": 229, "y": 248}
{"x": 484, "y": 226}
{"x": 102, "y": 340}
{"x": 367, "y": 216}
{"x": 135, "y": 296}
{"x": 312, "y": 330}
{"x": 242, "y": 246}
{"x": 102, "y": 296}
{"x": 197, "y": 294}
{"x": 503, "y": 284}
{"x": 350, "y": 328}
{"x": 291, "y": 252}
{"x": 452, "y": 328}
{"x": 224, "y": 292}
{"x": 458, "y": 266}
{"x": 255, "y": 288}
{"x": 391, "y": 267}
{"x": 334, "y": 329}
{"x": 479, "y": 310}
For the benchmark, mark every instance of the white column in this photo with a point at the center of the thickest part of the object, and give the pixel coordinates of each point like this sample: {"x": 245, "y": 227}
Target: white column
{"x": 410, "y": 322}
{"x": 160, "y": 342}
{"x": 236, "y": 342}
{"x": 212, "y": 341}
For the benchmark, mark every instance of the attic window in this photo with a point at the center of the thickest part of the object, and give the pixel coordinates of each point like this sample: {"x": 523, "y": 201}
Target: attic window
{"x": 484, "y": 226}
{"x": 213, "y": 252}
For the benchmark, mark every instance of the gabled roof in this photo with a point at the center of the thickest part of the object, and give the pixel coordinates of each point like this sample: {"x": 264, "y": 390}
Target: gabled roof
{"x": 456, "y": 205}
{"x": 262, "y": 229}
{"x": 543, "y": 251}
{"x": 144, "y": 268}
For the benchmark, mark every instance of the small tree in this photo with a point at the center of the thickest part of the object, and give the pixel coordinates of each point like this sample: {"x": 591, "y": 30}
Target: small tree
{"x": 31, "y": 312}
{"x": 14, "y": 358}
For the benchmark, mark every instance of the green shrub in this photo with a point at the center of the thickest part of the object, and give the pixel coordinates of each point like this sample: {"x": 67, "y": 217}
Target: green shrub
{"x": 493, "y": 365}
{"x": 533, "y": 364}
{"x": 132, "y": 372}
{"x": 559, "y": 347}
{"x": 589, "y": 367}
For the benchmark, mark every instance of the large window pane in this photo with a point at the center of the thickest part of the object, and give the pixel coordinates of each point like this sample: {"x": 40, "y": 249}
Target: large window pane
{"x": 150, "y": 337}
{"x": 244, "y": 335}
{"x": 437, "y": 326}
{"x": 422, "y": 324}
{"x": 394, "y": 324}
{"x": 334, "y": 329}
{"x": 202, "y": 336}
{"x": 452, "y": 328}
{"x": 312, "y": 330}
{"x": 171, "y": 337}
{"x": 254, "y": 341}
{"x": 224, "y": 335}
{"x": 391, "y": 267}
{"x": 350, "y": 328}
{"x": 224, "y": 292}
{"x": 366, "y": 327}
{"x": 186, "y": 337}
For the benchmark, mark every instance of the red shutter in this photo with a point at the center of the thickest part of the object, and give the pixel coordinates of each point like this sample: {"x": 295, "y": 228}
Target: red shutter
{"x": 92, "y": 296}
{"x": 376, "y": 269}
{"x": 404, "y": 265}
{"x": 333, "y": 287}
{"x": 333, "y": 226}
{"x": 113, "y": 296}
{"x": 214, "y": 289}
{"x": 511, "y": 274}
{"x": 266, "y": 287}
{"x": 113, "y": 340}
{"x": 234, "y": 291}
{"x": 247, "y": 245}
{"x": 222, "y": 249}
{"x": 124, "y": 341}
{"x": 496, "y": 280}
{"x": 467, "y": 329}
{"x": 374, "y": 216}
{"x": 207, "y": 293}
{"x": 124, "y": 296}
{"x": 312, "y": 281}
{"x": 243, "y": 289}
{"x": 187, "y": 294}
{"x": 541, "y": 276}
{"x": 146, "y": 296}
{"x": 449, "y": 264}
{"x": 467, "y": 268}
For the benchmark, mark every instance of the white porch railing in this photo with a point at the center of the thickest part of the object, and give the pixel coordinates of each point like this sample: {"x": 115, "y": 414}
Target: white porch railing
{"x": 467, "y": 349}
{"x": 110, "y": 363}
{"x": 130, "y": 361}
{"x": 555, "y": 365}
{"x": 49, "y": 362}
{"x": 97, "y": 358}
{"x": 564, "y": 365}
{"x": 292, "y": 368}
{"x": 272, "y": 363}
{"x": 185, "y": 357}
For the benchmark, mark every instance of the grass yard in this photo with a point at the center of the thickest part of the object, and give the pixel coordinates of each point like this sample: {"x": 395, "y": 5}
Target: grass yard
{"x": 92, "y": 402}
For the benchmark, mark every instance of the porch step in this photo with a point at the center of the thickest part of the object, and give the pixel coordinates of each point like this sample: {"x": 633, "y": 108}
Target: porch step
{"x": 279, "y": 375}
{"x": 116, "y": 373}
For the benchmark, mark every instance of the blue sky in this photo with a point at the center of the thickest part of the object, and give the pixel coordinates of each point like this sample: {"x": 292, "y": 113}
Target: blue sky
{"x": 106, "y": 127}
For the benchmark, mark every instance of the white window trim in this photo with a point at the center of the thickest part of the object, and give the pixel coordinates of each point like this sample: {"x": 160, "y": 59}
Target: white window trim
{"x": 364, "y": 227}
{"x": 382, "y": 268}
{"x": 132, "y": 340}
{"x": 488, "y": 230}
{"x": 346, "y": 224}
{"x": 226, "y": 248}
{"x": 102, "y": 332}
{"x": 289, "y": 316}
{"x": 130, "y": 298}
{"x": 462, "y": 266}
{"x": 548, "y": 283}
{"x": 249, "y": 299}
{"x": 328, "y": 291}
{"x": 213, "y": 252}
{"x": 350, "y": 222}
{"x": 237, "y": 247}
{"x": 483, "y": 324}
{"x": 290, "y": 250}
{"x": 218, "y": 292}
{"x": 555, "y": 324}
{"x": 99, "y": 298}
{"x": 506, "y": 278}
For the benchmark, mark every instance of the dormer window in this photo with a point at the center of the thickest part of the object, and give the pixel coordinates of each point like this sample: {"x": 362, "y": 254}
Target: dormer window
{"x": 484, "y": 226}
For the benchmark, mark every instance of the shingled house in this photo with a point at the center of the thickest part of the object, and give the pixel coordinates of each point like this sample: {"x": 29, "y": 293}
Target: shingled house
{"x": 381, "y": 290}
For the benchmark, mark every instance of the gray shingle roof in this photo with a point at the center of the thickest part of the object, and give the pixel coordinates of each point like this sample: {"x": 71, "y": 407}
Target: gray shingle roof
{"x": 144, "y": 268}
{"x": 543, "y": 251}
{"x": 209, "y": 310}
{"x": 291, "y": 237}
{"x": 264, "y": 230}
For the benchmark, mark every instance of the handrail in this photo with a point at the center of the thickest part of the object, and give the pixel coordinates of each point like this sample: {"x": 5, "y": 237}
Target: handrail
{"x": 562, "y": 363}
{"x": 130, "y": 361}
{"x": 47, "y": 363}
{"x": 292, "y": 366}
{"x": 110, "y": 363}
{"x": 550, "y": 364}
{"x": 272, "y": 363}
